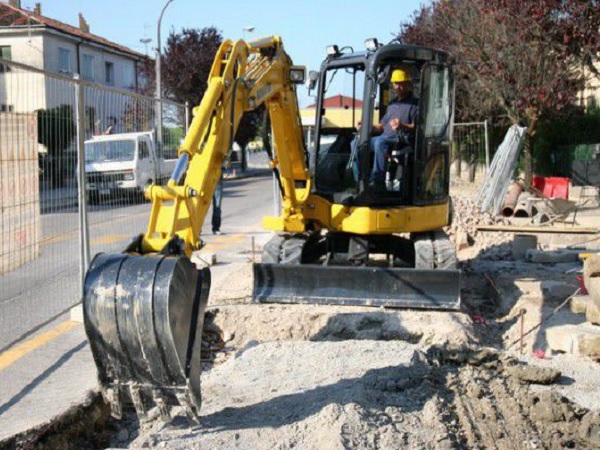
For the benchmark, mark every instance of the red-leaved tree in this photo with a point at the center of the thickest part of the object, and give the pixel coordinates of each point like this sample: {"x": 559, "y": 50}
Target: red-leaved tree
{"x": 523, "y": 58}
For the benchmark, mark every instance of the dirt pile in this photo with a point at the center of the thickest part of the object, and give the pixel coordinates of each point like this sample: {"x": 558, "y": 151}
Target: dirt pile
{"x": 463, "y": 230}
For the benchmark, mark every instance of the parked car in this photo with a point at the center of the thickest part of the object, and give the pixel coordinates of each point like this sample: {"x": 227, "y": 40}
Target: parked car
{"x": 125, "y": 164}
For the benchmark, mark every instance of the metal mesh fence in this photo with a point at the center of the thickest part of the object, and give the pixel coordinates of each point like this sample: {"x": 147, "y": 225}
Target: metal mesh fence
{"x": 470, "y": 150}
{"x": 43, "y": 118}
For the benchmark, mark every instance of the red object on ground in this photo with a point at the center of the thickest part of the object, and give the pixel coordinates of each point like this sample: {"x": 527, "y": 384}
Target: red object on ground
{"x": 552, "y": 187}
{"x": 582, "y": 289}
{"x": 539, "y": 353}
{"x": 478, "y": 319}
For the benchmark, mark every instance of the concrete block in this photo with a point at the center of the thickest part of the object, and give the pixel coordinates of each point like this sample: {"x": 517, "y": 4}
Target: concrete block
{"x": 556, "y": 290}
{"x": 521, "y": 244}
{"x": 579, "y": 303}
{"x": 591, "y": 275}
{"x": 578, "y": 340}
{"x": 554, "y": 257}
{"x": 593, "y": 288}
{"x": 592, "y": 311}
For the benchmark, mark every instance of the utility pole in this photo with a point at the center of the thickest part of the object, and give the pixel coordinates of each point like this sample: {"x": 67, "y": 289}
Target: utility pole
{"x": 159, "y": 136}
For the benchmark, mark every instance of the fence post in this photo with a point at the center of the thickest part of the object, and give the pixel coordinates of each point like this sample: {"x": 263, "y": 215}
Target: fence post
{"x": 487, "y": 145}
{"x": 84, "y": 243}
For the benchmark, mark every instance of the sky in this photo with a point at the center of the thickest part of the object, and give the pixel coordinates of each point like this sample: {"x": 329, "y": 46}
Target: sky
{"x": 306, "y": 27}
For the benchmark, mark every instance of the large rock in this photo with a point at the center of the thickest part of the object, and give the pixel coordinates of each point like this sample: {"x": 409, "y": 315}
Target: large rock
{"x": 578, "y": 340}
{"x": 591, "y": 275}
{"x": 579, "y": 303}
{"x": 551, "y": 257}
{"x": 592, "y": 310}
{"x": 557, "y": 290}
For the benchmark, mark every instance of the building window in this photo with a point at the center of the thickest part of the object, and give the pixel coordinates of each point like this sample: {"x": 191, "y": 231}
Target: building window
{"x": 109, "y": 69}
{"x": 6, "y": 108}
{"x": 64, "y": 60}
{"x": 5, "y": 53}
{"x": 128, "y": 76}
{"x": 88, "y": 67}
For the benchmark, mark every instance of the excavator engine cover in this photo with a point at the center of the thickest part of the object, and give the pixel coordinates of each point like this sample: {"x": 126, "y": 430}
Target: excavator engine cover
{"x": 143, "y": 317}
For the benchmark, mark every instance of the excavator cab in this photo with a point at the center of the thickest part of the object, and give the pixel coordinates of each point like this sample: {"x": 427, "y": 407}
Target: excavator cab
{"x": 354, "y": 88}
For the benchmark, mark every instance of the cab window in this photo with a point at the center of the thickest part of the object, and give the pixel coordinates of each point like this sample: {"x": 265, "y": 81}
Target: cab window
{"x": 144, "y": 152}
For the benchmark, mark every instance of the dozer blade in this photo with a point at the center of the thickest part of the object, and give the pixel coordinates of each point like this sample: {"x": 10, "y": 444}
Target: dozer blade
{"x": 358, "y": 286}
{"x": 143, "y": 317}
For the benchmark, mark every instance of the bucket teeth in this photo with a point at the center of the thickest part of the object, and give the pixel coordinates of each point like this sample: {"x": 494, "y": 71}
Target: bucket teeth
{"x": 113, "y": 398}
{"x": 190, "y": 409}
{"x": 138, "y": 402}
{"x": 162, "y": 405}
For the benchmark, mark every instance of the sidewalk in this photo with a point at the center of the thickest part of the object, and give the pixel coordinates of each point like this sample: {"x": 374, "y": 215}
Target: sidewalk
{"x": 43, "y": 377}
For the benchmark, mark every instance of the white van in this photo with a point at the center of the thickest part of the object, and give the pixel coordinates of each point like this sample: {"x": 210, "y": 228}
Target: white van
{"x": 124, "y": 163}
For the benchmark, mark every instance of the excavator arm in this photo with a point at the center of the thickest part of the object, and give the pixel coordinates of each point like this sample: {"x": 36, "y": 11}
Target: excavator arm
{"x": 243, "y": 76}
{"x": 144, "y": 308}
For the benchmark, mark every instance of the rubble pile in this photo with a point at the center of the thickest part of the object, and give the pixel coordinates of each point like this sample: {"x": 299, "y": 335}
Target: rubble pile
{"x": 212, "y": 340}
{"x": 467, "y": 217}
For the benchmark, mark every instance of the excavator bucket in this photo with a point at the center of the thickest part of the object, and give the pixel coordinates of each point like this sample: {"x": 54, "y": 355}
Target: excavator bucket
{"x": 357, "y": 286}
{"x": 143, "y": 317}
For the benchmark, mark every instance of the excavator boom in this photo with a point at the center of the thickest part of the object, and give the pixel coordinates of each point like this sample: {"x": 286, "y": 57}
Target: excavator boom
{"x": 144, "y": 308}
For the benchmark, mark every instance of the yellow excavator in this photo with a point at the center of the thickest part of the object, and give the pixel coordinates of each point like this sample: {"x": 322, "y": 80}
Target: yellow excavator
{"x": 339, "y": 238}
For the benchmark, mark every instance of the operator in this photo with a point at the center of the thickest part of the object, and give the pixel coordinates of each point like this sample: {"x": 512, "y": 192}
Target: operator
{"x": 396, "y": 127}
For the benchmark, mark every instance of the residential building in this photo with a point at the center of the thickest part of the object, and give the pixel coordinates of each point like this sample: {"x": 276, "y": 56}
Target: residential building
{"x": 31, "y": 38}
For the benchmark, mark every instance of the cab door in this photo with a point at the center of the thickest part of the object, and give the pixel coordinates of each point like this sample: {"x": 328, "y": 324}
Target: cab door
{"x": 434, "y": 135}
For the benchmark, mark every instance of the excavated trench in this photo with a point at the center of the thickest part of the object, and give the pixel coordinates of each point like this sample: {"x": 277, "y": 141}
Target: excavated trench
{"x": 322, "y": 377}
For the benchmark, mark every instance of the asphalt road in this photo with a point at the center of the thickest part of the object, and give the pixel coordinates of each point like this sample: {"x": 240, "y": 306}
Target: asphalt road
{"x": 50, "y": 284}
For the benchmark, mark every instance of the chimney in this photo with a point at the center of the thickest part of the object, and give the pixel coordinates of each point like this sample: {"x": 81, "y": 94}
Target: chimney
{"x": 83, "y": 25}
{"x": 15, "y": 3}
{"x": 38, "y": 9}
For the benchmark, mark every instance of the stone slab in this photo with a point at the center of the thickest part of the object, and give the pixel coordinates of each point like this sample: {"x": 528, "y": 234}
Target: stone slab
{"x": 579, "y": 303}
{"x": 578, "y": 340}
{"x": 592, "y": 311}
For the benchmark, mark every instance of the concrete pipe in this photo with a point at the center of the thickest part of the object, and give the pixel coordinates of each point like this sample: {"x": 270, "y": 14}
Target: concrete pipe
{"x": 524, "y": 206}
{"x": 512, "y": 196}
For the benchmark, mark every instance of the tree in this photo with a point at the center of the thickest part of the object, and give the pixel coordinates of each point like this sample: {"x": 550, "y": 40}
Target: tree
{"x": 522, "y": 58}
{"x": 187, "y": 62}
{"x": 186, "y": 67}
{"x": 56, "y": 130}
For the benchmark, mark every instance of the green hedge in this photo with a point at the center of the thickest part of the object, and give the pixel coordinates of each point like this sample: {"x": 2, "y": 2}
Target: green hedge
{"x": 559, "y": 141}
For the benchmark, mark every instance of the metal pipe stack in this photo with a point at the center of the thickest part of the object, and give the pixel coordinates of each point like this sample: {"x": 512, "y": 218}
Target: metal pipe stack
{"x": 492, "y": 195}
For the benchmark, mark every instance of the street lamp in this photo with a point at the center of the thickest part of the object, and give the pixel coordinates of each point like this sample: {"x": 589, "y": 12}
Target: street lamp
{"x": 158, "y": 80}
{"x": 249, "y": 29}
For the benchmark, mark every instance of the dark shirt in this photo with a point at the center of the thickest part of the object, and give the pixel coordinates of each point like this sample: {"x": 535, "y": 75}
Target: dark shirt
{"x": 406, "y": 111}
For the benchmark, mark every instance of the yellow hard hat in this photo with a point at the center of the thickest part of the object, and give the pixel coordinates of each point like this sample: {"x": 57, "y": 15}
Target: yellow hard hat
{"x": 399, "y": 76}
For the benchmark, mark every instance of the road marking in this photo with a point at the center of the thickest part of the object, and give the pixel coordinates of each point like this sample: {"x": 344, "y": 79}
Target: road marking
{"x": 111, "y": 238}
{"x": 11, "y": 356}
{"x": 223, "y": 241}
